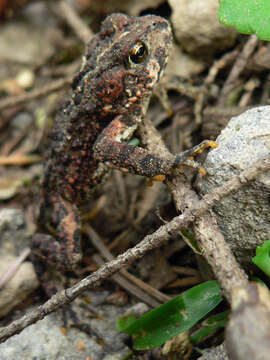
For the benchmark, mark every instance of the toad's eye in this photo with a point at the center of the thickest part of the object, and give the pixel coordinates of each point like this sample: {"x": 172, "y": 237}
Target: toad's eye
{"x": 138, "y": 52}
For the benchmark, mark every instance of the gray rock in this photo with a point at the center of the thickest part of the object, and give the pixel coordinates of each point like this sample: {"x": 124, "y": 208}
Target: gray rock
{"x": 45, "y": 341}
{"x": 19, "y": 286}
{"x": 130, "y": 7}
{"x": 196, "y": 26}
{"x": 26, "y": 42}
{"x": 13, "y": 232}
{"x": 11, "y": 219}
{"x": 243, "y": 217}
{"x": 14, "y": 239}
{"x": 182, "y": 64}
{"x": 217, "y": 353}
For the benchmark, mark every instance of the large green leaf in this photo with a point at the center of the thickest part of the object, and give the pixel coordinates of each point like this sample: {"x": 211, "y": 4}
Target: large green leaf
{"x": 248, "y": 16}
{"x": 179, "y": 314}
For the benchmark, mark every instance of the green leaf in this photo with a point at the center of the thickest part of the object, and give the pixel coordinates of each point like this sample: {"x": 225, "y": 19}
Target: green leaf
{"x": 191, "y": 241}
{"x": 178, "y": 315}
{"x": 125, "y": 321}
{"x": 262, "y": 258}
{"x": 247, "y": 16}
{"x": 208, "y": 327}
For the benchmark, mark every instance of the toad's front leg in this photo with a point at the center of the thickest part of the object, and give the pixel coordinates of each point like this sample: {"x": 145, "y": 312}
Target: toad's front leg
{"x": 109, "y": 148}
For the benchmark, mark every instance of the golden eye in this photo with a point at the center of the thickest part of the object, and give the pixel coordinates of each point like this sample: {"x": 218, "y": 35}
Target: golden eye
{"x": 138, "y": 52}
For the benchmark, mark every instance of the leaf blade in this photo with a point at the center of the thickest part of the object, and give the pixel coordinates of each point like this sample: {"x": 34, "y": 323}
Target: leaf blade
{"x": 178, "y": 315}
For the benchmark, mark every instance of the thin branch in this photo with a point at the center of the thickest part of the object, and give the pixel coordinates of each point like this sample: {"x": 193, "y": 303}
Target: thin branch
{"x": 218, "y": 255}
{"x": 140, "y": 288}
{"x": 11, "y": 271}
{"x": 219, "y": 65}
{"x": 45, "y": 90}
{"x": 150, "y": 242}
{"x": 20, "y": 159}
{"x": 209, "y": 238}
{"x": 81, "y": 30}
{"x": 129, "y": 287}
{"x": 238, "y": 67}
{"x": 68, "y": 13}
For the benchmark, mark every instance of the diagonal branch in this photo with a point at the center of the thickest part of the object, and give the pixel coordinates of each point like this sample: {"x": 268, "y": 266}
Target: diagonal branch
{"x": 36, "y": 93}
{"x": 209, "y": 238}
{"x": 155, "y": 240}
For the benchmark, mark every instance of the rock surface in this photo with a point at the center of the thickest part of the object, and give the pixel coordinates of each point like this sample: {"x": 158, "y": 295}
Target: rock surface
{"x": 197, "y": 29}
{"x": 130, "y": 7}
{"x": 13, "y": 232}
{"x": 14, "y": 240}
{"x": 243, "y": 217}
{"x": 45, "y": 341}
{"x": 19, "y": 286}
{"x": 217, "y": 353}
{"x": 182, "y": 64}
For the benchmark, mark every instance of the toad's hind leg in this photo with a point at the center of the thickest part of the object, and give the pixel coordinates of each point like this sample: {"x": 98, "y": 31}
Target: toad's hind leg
{"x": 57, "y": 246}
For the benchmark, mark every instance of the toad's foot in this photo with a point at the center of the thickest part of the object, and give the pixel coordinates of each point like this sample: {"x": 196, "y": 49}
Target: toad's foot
{"x": 187, "y": 157}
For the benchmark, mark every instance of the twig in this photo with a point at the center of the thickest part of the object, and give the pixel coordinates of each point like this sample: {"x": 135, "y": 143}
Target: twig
{"x": 9, "y": 146}
{"x": 19, "y": 159}
{"x": 11, "y": 271}
{"x": 128, "y": 286}
{"x": 150, "y": 242}
{"x": 140, "y": 285}
{"x": 249, "y": 88}
{"x": 121, "y": 189}
{"x": 45, "y": 90}
{"x": 74, "y": 21}
{"x": 209, "y": 80}
{"x": 184, "y": 270}
{"x": 238, "y": 67}
{"x": 185, "y": 282}
{"x": 218, "y": 65}
{"x": 215, "y": 249}
{"x": 218, "y": 254}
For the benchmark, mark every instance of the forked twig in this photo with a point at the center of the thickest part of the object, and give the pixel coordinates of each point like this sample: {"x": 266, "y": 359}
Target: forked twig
{"x": 155, "y": 240}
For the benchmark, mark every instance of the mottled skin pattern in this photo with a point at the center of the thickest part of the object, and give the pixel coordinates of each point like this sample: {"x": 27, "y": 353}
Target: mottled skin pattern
{"x": 110, "y": 97}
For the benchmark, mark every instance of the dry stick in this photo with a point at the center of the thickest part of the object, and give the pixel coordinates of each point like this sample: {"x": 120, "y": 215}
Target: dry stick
{"x": 214, "y": 113}
{"x": 82, "y": 31}
{"x": 11, "y": 271}
{"x": 150, "y": 242}
{"x": 213, "y": 72}
{"x": 128, "y": 286}
{"x": 20, "y": 159}
{"x": 209, "y": 238}
{"x": 186, "y": 281}
{"x": 141, "y": 288}
{"x": 249, "y": 88}
{"x": 219, "y": 255}
{"x": 45, "y": 90}
{"x": 218, "y": 65}
{"x": 74, "y": 21}
{"x": 183, "y": 270}
{"x": 121, "y": 189}
{"x": 238, "y": 68}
